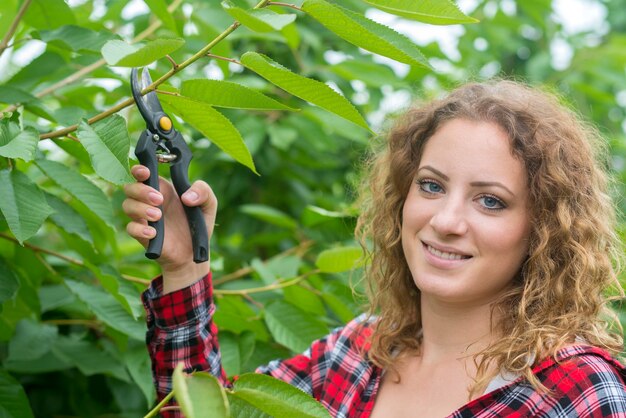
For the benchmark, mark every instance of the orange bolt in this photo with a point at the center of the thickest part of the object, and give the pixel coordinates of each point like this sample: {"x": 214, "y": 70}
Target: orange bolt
{"x": 165, "y": 123}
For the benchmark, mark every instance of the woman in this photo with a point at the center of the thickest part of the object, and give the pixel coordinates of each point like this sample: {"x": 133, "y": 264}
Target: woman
{"x": 491, "y": 237}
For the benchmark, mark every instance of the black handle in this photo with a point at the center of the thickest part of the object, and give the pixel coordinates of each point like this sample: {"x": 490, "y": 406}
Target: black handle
{"x": 197, "y": 226}
{"x": 146, "y": 153}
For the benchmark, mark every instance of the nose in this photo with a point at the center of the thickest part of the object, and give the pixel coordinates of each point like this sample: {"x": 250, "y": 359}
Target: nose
{"x": 450, "y": 217}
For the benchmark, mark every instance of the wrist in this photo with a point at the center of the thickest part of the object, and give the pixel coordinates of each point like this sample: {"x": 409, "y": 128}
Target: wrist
{"x": 179, "y": 277}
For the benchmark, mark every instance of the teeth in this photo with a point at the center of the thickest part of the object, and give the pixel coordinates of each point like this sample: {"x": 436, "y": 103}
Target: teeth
{"x": 444, "y": 255}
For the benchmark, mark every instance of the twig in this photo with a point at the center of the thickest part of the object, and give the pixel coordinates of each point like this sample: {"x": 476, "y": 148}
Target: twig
{"x": 66, "y": 258}
{"x": 219, "y": 57}
{"x": 278, "y": 3}
{"x": 97, "y": 325}
{"x": 272, "y": 286}
{"x": 170, "y": 93}
{"x": 156, "y": 409}
{"x": 170, "y": 59}
{"x": 91, "y": 67}
{"x": 253, "y": 301}
{"x": 14, "y": 25}
{"x": 300, "y": 249}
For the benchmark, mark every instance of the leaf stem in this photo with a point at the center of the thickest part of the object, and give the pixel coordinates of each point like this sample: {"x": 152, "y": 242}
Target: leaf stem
{"x": 154, "y": 411}
{"x": 219, "y": 57}
{"x": 14, "y": 25}
{"x": 279, "y": 3}
{"x": 174, "y": 63}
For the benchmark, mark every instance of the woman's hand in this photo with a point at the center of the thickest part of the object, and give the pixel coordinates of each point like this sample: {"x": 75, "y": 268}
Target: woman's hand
{"x": 141, "y": 204}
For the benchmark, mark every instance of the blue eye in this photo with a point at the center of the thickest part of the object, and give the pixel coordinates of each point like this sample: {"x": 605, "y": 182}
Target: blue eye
{"x": 492, "y": 202}
{"x": 430, "y": 186}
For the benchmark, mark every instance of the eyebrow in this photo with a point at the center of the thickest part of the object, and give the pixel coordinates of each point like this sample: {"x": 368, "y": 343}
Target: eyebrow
{"x": 474, "y": 183}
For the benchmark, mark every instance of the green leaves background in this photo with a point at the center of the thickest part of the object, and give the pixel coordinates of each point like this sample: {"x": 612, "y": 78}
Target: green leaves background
{"x": 278, "y": 111}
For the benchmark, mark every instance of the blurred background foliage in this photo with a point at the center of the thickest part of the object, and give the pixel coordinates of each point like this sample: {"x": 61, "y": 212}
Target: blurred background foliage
{"x": 71, "y": 327}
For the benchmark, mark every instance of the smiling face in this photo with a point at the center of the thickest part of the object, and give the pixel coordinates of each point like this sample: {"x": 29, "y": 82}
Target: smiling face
{"x": 465, "y": 222}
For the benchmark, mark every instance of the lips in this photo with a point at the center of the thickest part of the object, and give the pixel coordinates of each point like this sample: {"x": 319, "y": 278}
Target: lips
{"x": 446, "y": 253}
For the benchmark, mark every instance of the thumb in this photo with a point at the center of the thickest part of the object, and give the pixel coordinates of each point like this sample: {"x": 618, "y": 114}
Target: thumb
{"x": 201, "y": 194}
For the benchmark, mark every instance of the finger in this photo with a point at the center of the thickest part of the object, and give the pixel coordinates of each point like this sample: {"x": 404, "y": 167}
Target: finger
{"x": 140, "y": 231}
{"x": 143, "y": 193}
{"x": 140, "y": 172}
{"x": 137, "y": 210}
{"x": 201, "y": 194}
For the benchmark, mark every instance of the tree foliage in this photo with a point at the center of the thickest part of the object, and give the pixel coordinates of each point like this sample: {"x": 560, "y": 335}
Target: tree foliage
{"x": 278, "y": 102}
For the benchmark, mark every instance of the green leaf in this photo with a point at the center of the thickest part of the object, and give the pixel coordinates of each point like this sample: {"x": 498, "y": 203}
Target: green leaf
{"x": 31, "y": 340}
{"x": 235, "y": 315}
{"x": 80, "y": 188}
{"x": 339, "y": 259}
{"x": 138, "y": 365}
{"x": 159, "y": 8}
{"x": 122, "y": 290}
{"x": 108, "y": 145}
{"x": 77, "y": 38}
{"x": 88, "y": 358}
{"x": 12, "y": 95}
{"x": 313, "y": 215}
{"x": 435, "y": 12}
{"x": 292, "y": 327}
{"x": 200, "y": 395}
{"x": 48, "y": 14}
{"x": 13, "y": 400}
{"x": 275, "y": 398}
{"x": 122, "y": 54}
{"x": 9, "y": 283}
{"x": 15, "y": 143}
{"x": 307, "y": 89}
{"x": 228, "y": 94}
{"x": 269, "y": 215}
{"x": 68, "y": 219}
{"x": 259, "y": 20}
{"x": 365, "y": 33}
{"x": 107, "y": 309}
{"x": 23, "y": 204}
{"x": 212, "y": 124}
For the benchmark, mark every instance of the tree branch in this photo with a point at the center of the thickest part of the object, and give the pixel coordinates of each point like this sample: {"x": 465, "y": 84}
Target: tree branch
{"x": 273, "y": 286}
{"x": 156, "y": 409}
{"x": 70, "y": 260}
{"x": 278, "y": 3}
{"x": 14, "y": 25}
{"x": 94, "y": 66}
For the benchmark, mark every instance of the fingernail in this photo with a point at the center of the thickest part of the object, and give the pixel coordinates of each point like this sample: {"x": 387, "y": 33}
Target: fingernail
{"x": 148, "y": 232}
{"x": 155, "y": 197}
{"x": 191, "y": 196}
{"x": 153, "y": 213}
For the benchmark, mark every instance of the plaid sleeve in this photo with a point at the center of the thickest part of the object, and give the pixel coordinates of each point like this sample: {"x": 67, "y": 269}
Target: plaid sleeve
{"x": 181, "y": 329}
{"x": 588, "y": 385}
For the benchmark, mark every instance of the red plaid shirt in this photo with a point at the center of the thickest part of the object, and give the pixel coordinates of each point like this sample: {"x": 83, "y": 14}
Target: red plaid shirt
{"x": 585, "y": 381}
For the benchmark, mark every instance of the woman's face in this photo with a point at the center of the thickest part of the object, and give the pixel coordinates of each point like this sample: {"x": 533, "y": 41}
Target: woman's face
{"x": 466, "y": 223}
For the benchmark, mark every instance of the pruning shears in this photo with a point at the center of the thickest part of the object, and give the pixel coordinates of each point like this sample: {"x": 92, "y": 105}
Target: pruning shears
{"x": 160, "y": 142}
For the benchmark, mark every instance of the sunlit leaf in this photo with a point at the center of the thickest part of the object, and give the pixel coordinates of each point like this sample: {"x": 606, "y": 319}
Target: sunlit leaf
{"x": 79, "y": 187}
{"x": 199, "y": 395}
{"x": 108, "y": 145}
{"x": 435, "y": 12}
{"x": 339, "y": 259}
{"x": 260, "y": 395}
{"x": 48, "y": 14}
{"x": 259, "y": 20}
{"x": 215, "y": 126}
{"x": 16, "y": 143}
{"x": 307, "y": 89}
{"x": 228, "y": 94}
{"x": 365, "y": 33}
{"x": 23, "y": 204}
{"x": 122, "y": 54}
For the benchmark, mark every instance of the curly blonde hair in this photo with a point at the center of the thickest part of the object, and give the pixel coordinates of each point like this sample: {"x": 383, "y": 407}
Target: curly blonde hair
{"x": 565, "y": 286}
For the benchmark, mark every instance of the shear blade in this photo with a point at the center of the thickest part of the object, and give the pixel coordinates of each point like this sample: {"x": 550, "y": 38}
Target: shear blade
{"x": 151, "y": 99}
